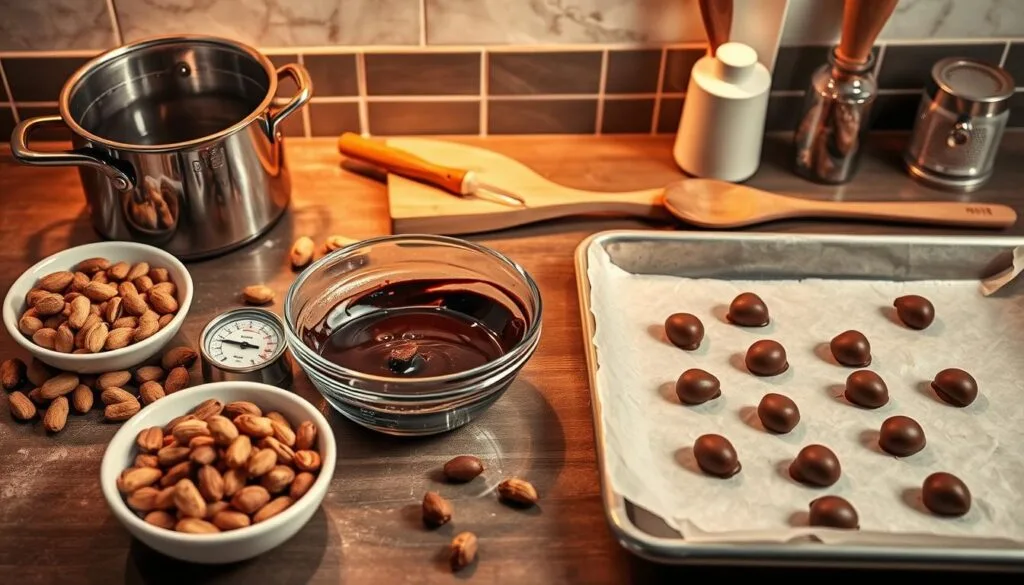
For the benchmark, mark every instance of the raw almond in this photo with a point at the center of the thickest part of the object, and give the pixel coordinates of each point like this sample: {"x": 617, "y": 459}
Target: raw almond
{"x": 138, "y": 477}
{"x": 56, "y": 415}
{"x": 90, "y": 322}
{"x": 175, "y": 421}
{"x": 145, "y": 330}
{"x": 333, "y": 243}
{"x": 125, "y": 323}
{"x": 82, "y": 399}
{"x": 305, "y": 436}
{"x": 179, "y": 356}
{"x": 133, "y": 304}
{"x": 118, "y": 338}
{"x": 172, "y": 455}
{"x": 222, "y": 430}
{"x": 68, "y": 297}
{"x": 161, "y": 519}
{"x": 278, "y": 417}
{"x": 53, "y": 321}
{"x": 177, "y": 379}
{"x": 208, "y": 408}
{"x": 211, "y": 484}
{"x": 463, "y": 468}
{"x": 282, "y": 432}
{"x": 150, "y": 440}
{"x": 49, "y": 304}
{"x": 59, "y": 385}
{"x": 195, "y": 526}
{"x": 165, "y": 320}
{"x": 302, "y": 252}
{"x": 463, "y": 550}
{"x": 214, "y": 508}
{"x": 237, "y": 453}
{"x": 96, "y": 337}
{"x": 149, "y": 374}
{"x": 32, "y": 296}
{"x": 12, "y": 373}
{"x": 518, "y": 492}
{"x": 184, "y": 431}
{"x": 254, "y": 426}
{"x": 37, "y": 398}
{"x": 117, "y": 379}
{"x": 234, "y": 480}
{"x": 146, "y": 460}
{"x": 301, "y": 484}
{"x": 118, "y": 271}
{"x": 261, "y": 462}
{"x": 151, "y": 391}
{"x": 137, "y": 270}
{"x": 306, "y": 460}
{"x": 79, "y": 312}
{"x": 436, "y": 510}
{"x": 79, "y": 281}
{"x": 176, "y": 473}
{"x": 21, "y": 407}
{"x": 278, "y": 479}
{"x": 284, "y": 453}
{"x": 201, "y": 441}
{"x": 126, "y": 288}
{"x": 143, "y": 283}
{"x": 93, "y": 265}
{"x": 240, "y": 407}
{"x": 99, "y": 292}
{"x": 29, "y": 324}
{"x": 45, "y": 337}
{"x": 164, "y": 288}
{"x": 122, "y": 410}
{"x": 188, "y": 500}
{"x": 143, "y": 499}
{"x": 64, "y": 340}
{"x": 159, "y": 275}
{"x": 250, "y": 498}
{"x": 230, "y": 520}
{"x": 56, "y": 281}
{"x": 202, "y": 454}
{"x": 112, "y": 312}
{"x": 113, "y": 395}
{"x": 275, "y": 507}
{"x": 258, "y": 294}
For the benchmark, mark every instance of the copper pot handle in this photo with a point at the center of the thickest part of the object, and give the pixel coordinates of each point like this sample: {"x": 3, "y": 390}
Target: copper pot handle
{"x": 301, "y": 77}
{"x": 84, "y": 157}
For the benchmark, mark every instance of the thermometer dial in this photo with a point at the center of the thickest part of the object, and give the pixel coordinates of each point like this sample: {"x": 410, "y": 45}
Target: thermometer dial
{"x": 245, "y": 345}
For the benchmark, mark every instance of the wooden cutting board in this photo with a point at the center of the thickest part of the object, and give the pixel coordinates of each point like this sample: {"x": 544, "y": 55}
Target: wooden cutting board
{"x": 418, "y": 208}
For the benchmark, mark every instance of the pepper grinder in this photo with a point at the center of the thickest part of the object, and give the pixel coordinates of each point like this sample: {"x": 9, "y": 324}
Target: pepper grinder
{"x": 836, "y": 111}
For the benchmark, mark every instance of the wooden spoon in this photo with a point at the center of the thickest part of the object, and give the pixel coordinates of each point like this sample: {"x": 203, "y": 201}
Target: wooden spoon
{"x": 717, "y": 17}
{"x": 718, "y": 204}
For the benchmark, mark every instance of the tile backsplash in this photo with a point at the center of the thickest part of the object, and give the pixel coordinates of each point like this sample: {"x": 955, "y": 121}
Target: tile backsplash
{"x": 387, "y": 67}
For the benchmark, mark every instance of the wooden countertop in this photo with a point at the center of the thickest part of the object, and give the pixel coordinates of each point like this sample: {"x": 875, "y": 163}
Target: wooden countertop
{"x": 55, "y": 525}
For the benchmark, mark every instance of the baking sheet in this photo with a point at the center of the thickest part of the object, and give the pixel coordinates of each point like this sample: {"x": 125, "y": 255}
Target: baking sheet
{"x": 648, "y": 434}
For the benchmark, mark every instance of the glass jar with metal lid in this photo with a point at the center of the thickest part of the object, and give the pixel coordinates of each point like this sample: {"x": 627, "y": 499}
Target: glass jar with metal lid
{"x": 959, "y": 124}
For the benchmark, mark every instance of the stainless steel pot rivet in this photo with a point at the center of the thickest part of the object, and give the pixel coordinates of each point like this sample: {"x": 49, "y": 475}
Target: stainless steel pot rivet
{"x": 184, "y": 70}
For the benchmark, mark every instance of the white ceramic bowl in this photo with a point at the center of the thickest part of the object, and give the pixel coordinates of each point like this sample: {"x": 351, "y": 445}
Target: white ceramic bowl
{"x": 234, "y": 545}
{"x": 104, "y": 361}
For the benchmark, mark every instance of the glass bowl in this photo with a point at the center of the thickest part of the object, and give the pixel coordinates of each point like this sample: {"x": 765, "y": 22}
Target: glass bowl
{"x": 373, "y": 279}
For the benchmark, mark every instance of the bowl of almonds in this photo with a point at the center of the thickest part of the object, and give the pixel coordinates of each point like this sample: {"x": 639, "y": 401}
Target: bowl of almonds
{"x": 99, "y": 307}
{"x": 220, "y": 472}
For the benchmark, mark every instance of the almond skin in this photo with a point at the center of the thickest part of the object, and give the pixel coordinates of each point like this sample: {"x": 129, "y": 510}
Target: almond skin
{"x": 118, "y": 338}
{"x": 184, "y": 431}
{"x": 282, "y": 432}
{"x": 96, "y": 337}
{"x": 146, "y": 460}
{"x": 211, "y": 484}
{"x": 202, "y": 454}
{"x": 302, "y": 252}
{"x": 150, "y": 440}
{"x": 301, "y": 484}
{"x": 49, "y": 304}
{"x": 118, "y": 271}
{"x": 179, "y": 356}
{"x": 143, "y": 499}
{"x": 82, "y": 399}
{"x": 114, "y": 395}
{"x": 132, "y": 304}
{"x": 518, "y": 492}
{"x": 93, "y": 265}
{"x": 21, "y": 407}
{"x": 56, "y": 281}
{"x": 56, "y": 415}
{"x": 151, "y": 391}
{"x": 159, "y": 275}
{"x": 112, "y": 312}
{"x": 172, "y": 455}
{"x": 285, "y": 454}
{"x": 258, "y": 294}
{"x": 188, "y": 500}
{"x": 250, "y": 499}
{"x": 261, "y": 463}
{"x": 29, "y": 324}
{"x": 138, "y": 269}
{"x": 143, "y": 283}
{"x": 79, "y": 312}
{"x": 138, "y": 477}
{"x": 162, "y": 302}
{"x": 237, "y": 454}
{"x": 177, "y": 379}
{"x": 176, "y": 473}
{"x": 305, "y": 436}
{"x": 273, "y": 508}
{"x": 64, "y": 340}
{"x": 149, "y": 374}
{"x": 234, "y": 480}
{"x": 45, "y": 337}
{"x": 230, "y": 520}
{"x": 195, "y": 526}
{"x": 278, "y": 479}
{"x": 307, "y": 460}
{"x": 161, "y": 519}
{"x": 254, "y": 426}
{"x": 463, "y": 468}
{"x": 239, "y": 407}
{"x": 145, "y": 330}
{"x": 121, "y": 411}
{"x": 436, "y": 510}
{"x": 463, "y": 550}
{"x": 58, "y": 385}
{"x": 118, "y": 379}
{"x": 208, "y": 408}
{"x": 222, "y": 430}
{"x": 125, "y": 323}
{"x": 12, "y": 373}
{"x": 333, "y": 243}
{"x": 99, "y": 292}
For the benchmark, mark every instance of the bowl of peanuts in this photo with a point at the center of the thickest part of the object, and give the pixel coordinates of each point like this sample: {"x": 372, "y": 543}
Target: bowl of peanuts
{"x": 219, "y": 473}
{"x": 99, "y": 307}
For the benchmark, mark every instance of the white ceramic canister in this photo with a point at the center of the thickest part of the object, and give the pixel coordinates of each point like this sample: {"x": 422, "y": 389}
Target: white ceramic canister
{"x": 722, "y": 126}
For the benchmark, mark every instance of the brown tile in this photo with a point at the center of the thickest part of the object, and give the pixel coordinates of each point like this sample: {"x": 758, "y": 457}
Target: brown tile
{"x": 783, "y": 112}
{"x": 669, "y": 114}
{"x": 544, "y": 73}
{"x": 541, "y": 116}
{"x": 627, "y": 116}
{"x": 794, "y": 66}
{"x": 633, "y": 71}
{"x": 39, "y": 79}
{"x": 285, "y": 87}
{"x": 333, "y": 75}
{"x": 1014, "y": 64}
{"x": 1017, "y": 110}
{"x": 407, "y": 118}
{"x": 6, "y": 123}
{"x": 894, "y": 112}
{"x": 333, "y": 119}
{"x": 423, "y": 74}
{"x": 910, "y": 66}
{"x": 49, "y": 132}
{"x": 678, "y": 63}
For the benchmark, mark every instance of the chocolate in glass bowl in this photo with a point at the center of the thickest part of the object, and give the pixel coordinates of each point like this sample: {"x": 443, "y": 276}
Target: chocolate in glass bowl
{"x": 413, "y": 334}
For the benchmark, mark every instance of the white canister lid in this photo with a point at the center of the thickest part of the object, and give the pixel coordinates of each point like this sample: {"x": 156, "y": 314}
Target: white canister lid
{"x": 732, "y": 73}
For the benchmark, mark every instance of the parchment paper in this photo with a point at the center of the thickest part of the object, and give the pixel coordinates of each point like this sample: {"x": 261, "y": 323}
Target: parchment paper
{"x": 649, "y": 434}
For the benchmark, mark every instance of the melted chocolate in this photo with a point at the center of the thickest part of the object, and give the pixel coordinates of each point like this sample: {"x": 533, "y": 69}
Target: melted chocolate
{"x": 778, "y": 413}
{"x": 697, "y": 387}
{"x": 684, "y": 330}
{"x": 901, "y": 436}
{"x": 945, "y": 494}
{"x": 716, "y": 456}
{"x": 766, "y": 358}
{"x": 866, "y": 389}
{"x": 815, "y": 465}
{"x": 915, "y": 311}
{"x": 418, "y": 329}
{"x": 956, "y": 387}
{"x": 833, "y": 512}
{"x": 851, "y": 348}
{"x": 748, "y": 310}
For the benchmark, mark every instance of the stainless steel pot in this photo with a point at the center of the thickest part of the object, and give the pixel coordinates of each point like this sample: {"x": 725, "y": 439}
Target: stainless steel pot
{"x": 177, "y": 142}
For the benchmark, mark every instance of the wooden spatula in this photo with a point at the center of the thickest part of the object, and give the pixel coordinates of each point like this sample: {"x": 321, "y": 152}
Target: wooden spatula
{"x": 717, "y": 204}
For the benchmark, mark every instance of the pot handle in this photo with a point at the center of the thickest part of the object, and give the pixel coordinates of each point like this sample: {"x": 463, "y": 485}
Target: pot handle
{"x": 84, "y": 157}
{"x": 301, "y": 77}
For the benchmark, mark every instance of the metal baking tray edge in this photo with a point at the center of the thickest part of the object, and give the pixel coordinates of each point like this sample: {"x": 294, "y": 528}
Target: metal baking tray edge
{"x": 644, "y": 543}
